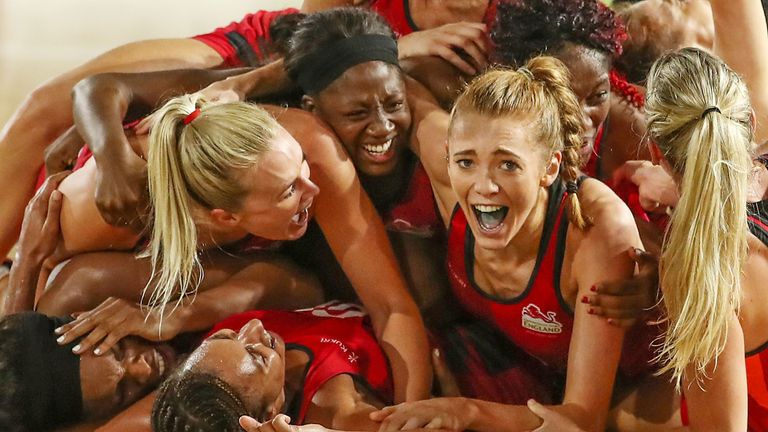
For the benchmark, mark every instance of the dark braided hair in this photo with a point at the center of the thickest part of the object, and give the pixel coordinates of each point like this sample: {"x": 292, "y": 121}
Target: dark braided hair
{"x": 193, "y": 401}
{"x": 526, "y": 28}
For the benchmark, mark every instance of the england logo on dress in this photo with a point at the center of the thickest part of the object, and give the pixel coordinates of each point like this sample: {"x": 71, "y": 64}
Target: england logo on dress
{"x": 538, "y": 321}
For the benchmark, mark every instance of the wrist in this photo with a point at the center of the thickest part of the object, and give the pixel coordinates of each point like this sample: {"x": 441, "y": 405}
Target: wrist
{"x": 470, "y": 410}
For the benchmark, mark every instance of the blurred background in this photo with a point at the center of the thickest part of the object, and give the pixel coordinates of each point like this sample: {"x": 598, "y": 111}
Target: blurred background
{"x": 42, "y": 38}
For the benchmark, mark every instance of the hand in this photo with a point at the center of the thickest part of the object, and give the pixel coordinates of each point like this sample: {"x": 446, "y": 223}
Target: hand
{"x": 657, "y": 188}
{"x": 443, "y": 41}
{"x": 553, "y": 420}
{"x": 224, "y": 91}
{"x": 440, "y": 413}
{"x": 62, "y": 154}
{"x": 40, "y": 231}
{"x": 113, "y": 320}
{"x": 622, "y": 303}
{"x": 281, "y": 423}
{"x": 121, "y": 192}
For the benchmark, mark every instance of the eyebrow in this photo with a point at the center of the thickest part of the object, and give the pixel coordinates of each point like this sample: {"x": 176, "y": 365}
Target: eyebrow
{"x": 501, "y": 150}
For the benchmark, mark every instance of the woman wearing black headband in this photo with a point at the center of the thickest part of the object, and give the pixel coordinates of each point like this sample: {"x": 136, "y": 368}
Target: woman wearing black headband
{"x": 45, "y": 384}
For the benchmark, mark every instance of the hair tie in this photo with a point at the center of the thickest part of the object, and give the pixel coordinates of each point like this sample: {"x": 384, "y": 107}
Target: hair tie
{"x": 571, "y": 187}
{"x": 709, "y": 110}
{"x": 527, "y": 72}
{"x": 191, "y": 116}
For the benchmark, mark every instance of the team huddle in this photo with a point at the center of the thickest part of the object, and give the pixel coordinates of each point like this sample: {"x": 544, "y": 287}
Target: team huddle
{"x": 487, "y": 215}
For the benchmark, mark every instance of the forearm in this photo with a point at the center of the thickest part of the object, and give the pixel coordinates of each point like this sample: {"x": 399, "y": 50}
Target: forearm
{"x": 405, "y": 343}
{"x": 22, "y": 282}
{"x": 265, "y": 81}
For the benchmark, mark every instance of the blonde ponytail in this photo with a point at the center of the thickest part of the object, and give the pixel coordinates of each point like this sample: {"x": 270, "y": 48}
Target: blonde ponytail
{"x": 197, "y": 155}
{"x": 540, "y": 88}
{"x": 698, "y": 113}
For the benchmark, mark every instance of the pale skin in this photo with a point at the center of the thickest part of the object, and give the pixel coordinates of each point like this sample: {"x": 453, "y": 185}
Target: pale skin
{"x": 355, "y": 234}
{"x": 500, "y": 157}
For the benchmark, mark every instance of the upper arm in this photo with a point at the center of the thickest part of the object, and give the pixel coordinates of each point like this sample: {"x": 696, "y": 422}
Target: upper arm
{"x": 741, "y": 40}
{"x": 722, "y": 405}
{"x": 429, "y": 140}
{"x": 595, "y": 344}
{"x": 341, "y": 404}
{"x": 309, "y": 6}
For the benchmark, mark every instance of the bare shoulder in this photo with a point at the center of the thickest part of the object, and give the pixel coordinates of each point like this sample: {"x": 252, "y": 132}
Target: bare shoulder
{"x": 611, "y": 218}
{"x": 317, "y": 140}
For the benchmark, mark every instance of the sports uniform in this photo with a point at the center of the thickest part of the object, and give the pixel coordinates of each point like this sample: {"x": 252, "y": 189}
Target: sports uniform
{"x": 338, "y": 340}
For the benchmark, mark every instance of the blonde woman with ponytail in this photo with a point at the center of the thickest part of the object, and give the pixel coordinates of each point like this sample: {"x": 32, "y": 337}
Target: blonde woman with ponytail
{"x": 527, "y": 240}
{"x": 713, "y": 269}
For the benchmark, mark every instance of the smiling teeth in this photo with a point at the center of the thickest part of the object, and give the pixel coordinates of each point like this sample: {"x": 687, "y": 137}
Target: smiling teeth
{"x": 161, "y": 364}
{"x": 382, "y": 148}
{"x": 487, "y": 208}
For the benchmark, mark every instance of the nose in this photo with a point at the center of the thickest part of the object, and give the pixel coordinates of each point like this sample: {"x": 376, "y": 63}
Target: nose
{"x": 139, "y": 367}
{"x": 586, "y": 120}
{"x": 381, "y": 125}
{"x": 310, "y": 188}
{"x": 485, "y": 185}
{"x": 252, "y": 331}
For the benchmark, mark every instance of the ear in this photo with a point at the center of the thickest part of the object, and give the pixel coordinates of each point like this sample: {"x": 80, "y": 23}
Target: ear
{"x": 552, "y": 169}
{"x": 223, "y": 218}
{"x": 308, "y": 103}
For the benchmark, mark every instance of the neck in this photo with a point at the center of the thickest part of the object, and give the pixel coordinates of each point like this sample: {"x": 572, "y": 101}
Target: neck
{"x": 295, "y": 365}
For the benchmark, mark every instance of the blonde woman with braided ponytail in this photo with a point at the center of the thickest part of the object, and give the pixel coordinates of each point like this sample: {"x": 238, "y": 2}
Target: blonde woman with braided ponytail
{"x": 527, "y": 239}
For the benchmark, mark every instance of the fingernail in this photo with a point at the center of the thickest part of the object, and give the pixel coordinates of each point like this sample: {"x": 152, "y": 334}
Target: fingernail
{"x": 76, "y": 348}
{"x": 58, "y": 331}
{"x": 97, "y": 351}
{"x": 611, "y": 321}
{"x": 591, "y": 311}
{"x": 60, "y": 339}
{"x": 593, "y": 288}
{"x": 585, "y": 300}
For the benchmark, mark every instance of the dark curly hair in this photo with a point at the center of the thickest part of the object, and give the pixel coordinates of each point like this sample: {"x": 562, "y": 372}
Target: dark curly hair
{"x": 196, "y": 401}
{"x": 524, "y": 29}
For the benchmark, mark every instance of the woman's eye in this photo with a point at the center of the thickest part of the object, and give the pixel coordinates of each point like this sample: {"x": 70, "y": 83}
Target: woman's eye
{"x": 291, "y": 191}
{"x": 356, "y": 115}
{"x": 599, "y": 97}
{"x": 509, "y": 166}
{"x": 464, "y": 163}
{"x": 395, "y": 106}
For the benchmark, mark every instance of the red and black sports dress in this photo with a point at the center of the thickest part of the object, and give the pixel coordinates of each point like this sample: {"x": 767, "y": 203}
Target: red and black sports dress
{"x": 338, "y": 340}
{"x": 398, "y": 14}
{"x": 538, "y": 321}
{"x": 247, "y": 42}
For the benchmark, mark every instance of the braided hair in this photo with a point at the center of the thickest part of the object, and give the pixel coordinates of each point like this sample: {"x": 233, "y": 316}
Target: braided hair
{"x": 541, "y": 88}
{"x": 193, "y": 401}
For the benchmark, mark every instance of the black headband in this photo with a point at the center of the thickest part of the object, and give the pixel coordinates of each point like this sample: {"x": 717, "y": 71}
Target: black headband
{"x": 50, "y": 375}
{"x": 319, "y": 69}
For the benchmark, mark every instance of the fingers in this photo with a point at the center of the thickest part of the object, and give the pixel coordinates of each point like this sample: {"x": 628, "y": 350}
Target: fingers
{"x": 249, "y": 424}
{"x": 449, "y": 55}
{"x": 52, "y": 219}
{"x": 102, "y": 326}
{"x": 381, "y": 414}
{"x": 540, "y": 410}
{"x": 413, "y": 423}
{"x": 62, "y": 153}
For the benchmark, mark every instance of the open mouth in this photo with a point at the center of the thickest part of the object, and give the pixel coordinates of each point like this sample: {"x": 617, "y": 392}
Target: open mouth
{"x": 490, "y": 218}
{"x": 165, "y": 358}
{"x": 380, "y": 152}
{"x": 301, "y": 216}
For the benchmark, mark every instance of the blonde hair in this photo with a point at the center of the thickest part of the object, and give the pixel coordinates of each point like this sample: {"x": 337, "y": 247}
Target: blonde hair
{"x": 542, "y": 89}
{"x": 196, "y": 160}
{"x": 698, "y": 113}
